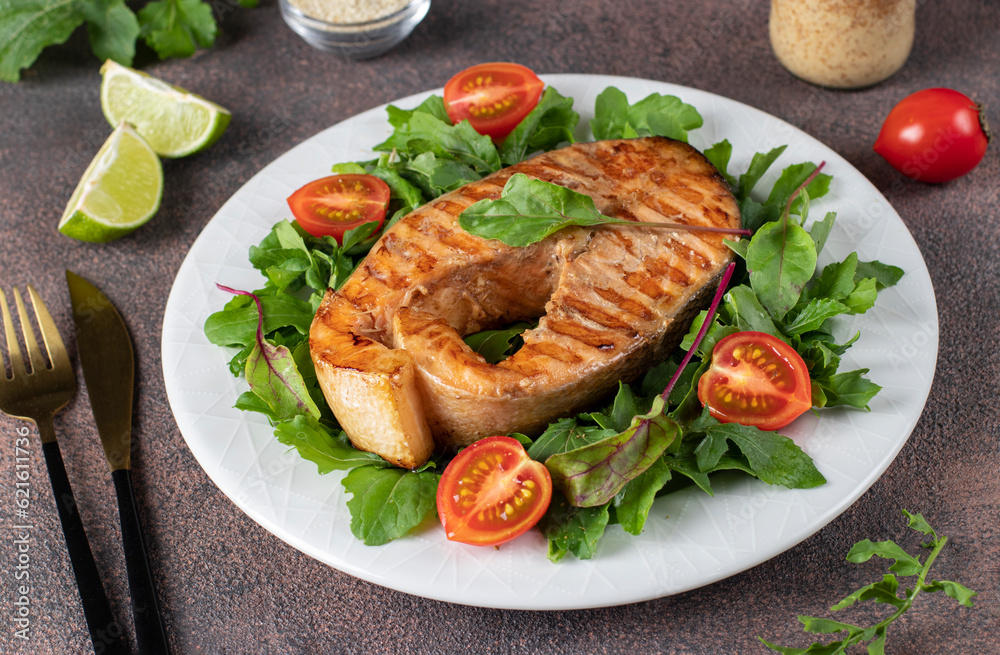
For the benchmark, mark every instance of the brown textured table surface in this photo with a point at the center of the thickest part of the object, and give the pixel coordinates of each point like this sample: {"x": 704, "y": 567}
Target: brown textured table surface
{"x": 229, "y": 586}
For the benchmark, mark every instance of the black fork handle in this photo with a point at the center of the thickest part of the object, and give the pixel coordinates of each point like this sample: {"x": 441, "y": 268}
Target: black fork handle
{"x": 105, "y": 633}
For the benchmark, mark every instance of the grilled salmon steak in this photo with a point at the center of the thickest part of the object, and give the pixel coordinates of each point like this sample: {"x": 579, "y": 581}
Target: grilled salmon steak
{"x": 611, "y": 301}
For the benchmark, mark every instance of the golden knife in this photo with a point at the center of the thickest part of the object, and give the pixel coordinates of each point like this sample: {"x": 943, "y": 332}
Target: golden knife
{"x": 105, "y": 351}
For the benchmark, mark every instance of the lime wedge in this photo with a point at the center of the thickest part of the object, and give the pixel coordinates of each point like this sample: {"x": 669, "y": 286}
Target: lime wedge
{"x": 120, "y": 190}
{"x": 173, "y": 121}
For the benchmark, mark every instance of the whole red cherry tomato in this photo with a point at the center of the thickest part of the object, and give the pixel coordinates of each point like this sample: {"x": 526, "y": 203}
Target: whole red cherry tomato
{"x": 934, "y": 135}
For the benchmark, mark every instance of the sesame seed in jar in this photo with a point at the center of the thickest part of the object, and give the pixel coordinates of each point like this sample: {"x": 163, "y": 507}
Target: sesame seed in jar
{"x": 345, "y": 12}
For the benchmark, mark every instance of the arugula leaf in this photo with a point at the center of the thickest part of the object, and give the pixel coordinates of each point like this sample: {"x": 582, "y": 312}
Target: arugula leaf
{"x": 836, "y": 282}
{"x": 593, "y": 474}
{"x": 623, "y": 409}
{"x": 759, "y": 165}
{"x": 756, "y": 214}
{"x": 564, "y": 435}
{"x": 773, "y": 458}
{"x": 820, "y": 231}
{"x": 849, "y": 388}
{"x": 387, "y": 503}
{"x": 176, "y": 28}
{"x": 550, "y": 124}
{"x": 862, "y": 298}
{"x": 719, "y": 155}
{"x": 655, "y": 115}
{"x": 398, "y": 118}
{"x": 438, "y": 175}
{"x": 29, "y": 26}
{"x": 885, "y": 275}
{"x": 496, "y": 345}
{"x": 885, "y": 591}
{"x": 420, "y": 131}
{"x": 112, "y": 28}
{"x": 814, "y": 314}
{"x": 571, "y": 529}
{"x": 748, "y": 313}
{"x": 405, "y": 193}
{"x": 328, "y": 450}
{"x": 633, "y": 502}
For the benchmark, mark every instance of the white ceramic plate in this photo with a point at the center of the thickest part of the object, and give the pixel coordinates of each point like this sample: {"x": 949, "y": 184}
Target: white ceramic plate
{"x": 691, "y": 539}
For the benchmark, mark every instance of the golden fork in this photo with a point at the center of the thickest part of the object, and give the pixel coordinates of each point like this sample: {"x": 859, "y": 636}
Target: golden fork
{"x": 35, "y": 393}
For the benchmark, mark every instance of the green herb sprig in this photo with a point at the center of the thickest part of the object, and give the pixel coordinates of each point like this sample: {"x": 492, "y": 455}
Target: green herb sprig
{"x": 172, "y": 28}
{"x": 886, "y": 591}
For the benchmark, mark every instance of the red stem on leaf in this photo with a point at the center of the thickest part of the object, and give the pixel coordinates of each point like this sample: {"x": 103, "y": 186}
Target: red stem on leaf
{"x": 709, "y": 317}
{"x": 260, "y": 308}
{"x": 680, "y": 227}
{"x": 808, "y": 181}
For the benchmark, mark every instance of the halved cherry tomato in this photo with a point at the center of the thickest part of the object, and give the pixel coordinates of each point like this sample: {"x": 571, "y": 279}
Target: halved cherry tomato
{"x": 755, "y": 379}
{"x": 332, "y": 205}
{"x": 934, "y": 135}
{"x": 492, "y": 492}
{"x": 493, "y": 97}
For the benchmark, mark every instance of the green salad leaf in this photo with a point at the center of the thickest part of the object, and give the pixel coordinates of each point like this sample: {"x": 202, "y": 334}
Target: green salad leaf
{"x": 29, "y": 26}
{"x": 528, "y": 210}
{"x": 173, "y": 28}
{"x": 329, "y": 450}
{"x": 496, "y": 345}
{"x": 571, "y": 529}
{"x": 550, "y": 124}
{"x": 387, "y": 503}
{"x": 112, "y": 28}
{"x": 655, "y": 115}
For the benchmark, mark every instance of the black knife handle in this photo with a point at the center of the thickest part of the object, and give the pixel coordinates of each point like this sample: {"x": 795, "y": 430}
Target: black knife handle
{"x": 150, "y": 631}
{"x": 105, "y": 632}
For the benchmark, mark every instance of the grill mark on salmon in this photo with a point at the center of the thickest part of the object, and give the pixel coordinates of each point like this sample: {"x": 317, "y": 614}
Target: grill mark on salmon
{"x": 610, "y": 303}
{"x": 645, "y": 285}
{"x": 633, "y": 307}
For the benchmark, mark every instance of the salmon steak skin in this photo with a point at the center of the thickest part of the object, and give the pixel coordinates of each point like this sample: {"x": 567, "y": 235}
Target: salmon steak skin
{"x": 611, "y": 302}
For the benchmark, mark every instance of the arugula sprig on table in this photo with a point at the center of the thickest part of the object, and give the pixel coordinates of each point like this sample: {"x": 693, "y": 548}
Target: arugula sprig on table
{"x": 426, "y": 156}
{"x": 172, "y": 28}
{"x": 885, "y": 591}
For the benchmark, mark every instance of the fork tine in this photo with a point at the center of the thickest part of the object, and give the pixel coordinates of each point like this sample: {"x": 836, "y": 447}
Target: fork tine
{"x": 30, "y": 342}
{"x": 13, "y": 349}
{"x": 50, "y": 333}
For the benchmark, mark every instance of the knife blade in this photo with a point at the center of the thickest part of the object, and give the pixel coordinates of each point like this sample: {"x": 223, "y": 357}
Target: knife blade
{"x": 105, "y": 352}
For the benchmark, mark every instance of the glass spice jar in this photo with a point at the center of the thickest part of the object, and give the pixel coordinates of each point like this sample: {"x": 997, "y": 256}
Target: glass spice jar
{"x": 845, "y": 44}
